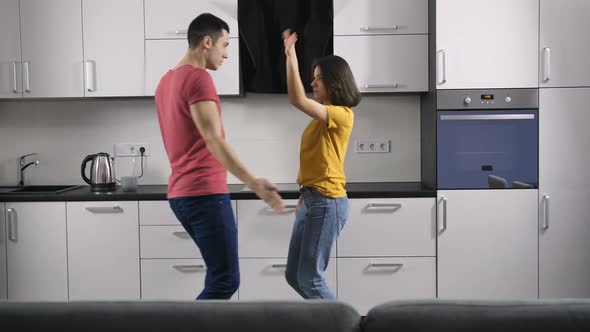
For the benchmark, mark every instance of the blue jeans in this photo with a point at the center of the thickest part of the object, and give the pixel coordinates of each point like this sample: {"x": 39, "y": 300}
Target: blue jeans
{"x": 209, "y": 220}
{"x": 317, "y": 226}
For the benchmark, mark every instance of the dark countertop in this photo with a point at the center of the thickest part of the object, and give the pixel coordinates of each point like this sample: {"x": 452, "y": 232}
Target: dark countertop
{"x": 287, "y": 191}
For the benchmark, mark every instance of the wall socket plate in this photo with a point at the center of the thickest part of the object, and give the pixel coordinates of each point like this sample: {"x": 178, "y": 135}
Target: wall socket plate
{"x": 371, "y": 146}
{"x": 131, "y": 149}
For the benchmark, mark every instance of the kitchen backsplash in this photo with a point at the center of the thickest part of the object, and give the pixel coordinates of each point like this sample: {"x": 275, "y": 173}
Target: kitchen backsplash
{"x": 263, "y": 129}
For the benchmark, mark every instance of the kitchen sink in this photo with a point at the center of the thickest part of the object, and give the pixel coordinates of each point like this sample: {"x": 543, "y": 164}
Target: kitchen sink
{"x": 52, "y": 189}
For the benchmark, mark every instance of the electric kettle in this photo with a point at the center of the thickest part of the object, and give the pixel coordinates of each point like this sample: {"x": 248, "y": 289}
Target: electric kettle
{"x": 102, "y": 172}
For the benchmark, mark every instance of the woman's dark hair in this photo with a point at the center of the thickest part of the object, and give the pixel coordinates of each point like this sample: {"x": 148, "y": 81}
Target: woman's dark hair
{"x": 339, "y": 81}
{"x": 205, "y": 25}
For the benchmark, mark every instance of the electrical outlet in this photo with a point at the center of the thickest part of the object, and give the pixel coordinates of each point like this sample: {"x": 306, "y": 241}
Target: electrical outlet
{"x": 371, "y": 146}
{"x": 131, "y": 149}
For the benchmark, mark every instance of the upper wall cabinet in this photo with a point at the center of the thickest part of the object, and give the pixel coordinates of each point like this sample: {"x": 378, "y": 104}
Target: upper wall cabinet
{"x": 166, "y": 19}
{"x": 353, "y": 17}
{"x": 51, "y": 36}
{"x": 10, "y": 59}
{"x": 385, "y": 42}
{"x": 166, "y": 24}
{"x": 113, "y": 48}
{"x": 484, "y": 45}
{"x": 564, "y": 45}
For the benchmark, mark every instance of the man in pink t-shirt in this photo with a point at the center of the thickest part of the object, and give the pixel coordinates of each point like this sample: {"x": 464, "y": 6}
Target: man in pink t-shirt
{"x": 189, "y": 114}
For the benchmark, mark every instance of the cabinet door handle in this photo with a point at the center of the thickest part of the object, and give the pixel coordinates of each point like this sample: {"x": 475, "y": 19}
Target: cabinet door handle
{"x": 381, "y": 265}
{"x": 381, "y": 86}
{"x": 444, "y": 215}
{"x": 14, "y": 77}
{"x": 182, "y": 234}
{"x": 546, "y": 212}
{"x": 89, "y": 70}
{"x": 181, "y": 32}
{"x": 27, "y": 77}
{"x": 546, "y": 64}
{"x": 189, "y": 268}
{"x": 105, "y": 209}
{"x": 377, "y": 28}
{"x": 290, "y": 206}
{"x": 12, "y": 225}
{"x": 279, "y": 266}
{"x": 384, "y": 206}
{"x": 441, "y": 67}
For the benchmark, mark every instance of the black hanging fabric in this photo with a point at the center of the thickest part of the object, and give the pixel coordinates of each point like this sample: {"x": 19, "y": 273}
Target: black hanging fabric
{"x": 262, "y": 57}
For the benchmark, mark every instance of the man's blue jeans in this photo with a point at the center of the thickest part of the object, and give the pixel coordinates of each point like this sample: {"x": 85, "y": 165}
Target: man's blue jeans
{"x": 317, "y": 226}
{"x": 209, "y": 220}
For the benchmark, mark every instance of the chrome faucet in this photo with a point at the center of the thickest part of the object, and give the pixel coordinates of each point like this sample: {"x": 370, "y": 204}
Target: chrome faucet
{"x": 23, "y": 166}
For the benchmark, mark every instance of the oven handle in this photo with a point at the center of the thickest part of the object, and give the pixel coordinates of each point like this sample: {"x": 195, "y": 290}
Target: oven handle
{"x": 487, "y": 117}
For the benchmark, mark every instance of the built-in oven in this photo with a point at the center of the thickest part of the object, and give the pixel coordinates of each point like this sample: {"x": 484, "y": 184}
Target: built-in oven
{"x": 487, "y": 139}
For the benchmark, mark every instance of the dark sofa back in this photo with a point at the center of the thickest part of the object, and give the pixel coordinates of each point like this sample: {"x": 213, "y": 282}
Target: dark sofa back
{"x": 218, "y": 316}
{"x": 480, "y": 316}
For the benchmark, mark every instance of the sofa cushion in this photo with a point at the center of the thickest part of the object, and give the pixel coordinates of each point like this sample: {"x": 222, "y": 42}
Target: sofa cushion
{"x": 145, "y": 316}
{"x": 480, "y": 316}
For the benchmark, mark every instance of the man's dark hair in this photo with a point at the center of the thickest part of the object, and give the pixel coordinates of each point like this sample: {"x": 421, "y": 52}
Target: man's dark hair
{"x": 338, "y": 80}
{"x": 205, "y": 25}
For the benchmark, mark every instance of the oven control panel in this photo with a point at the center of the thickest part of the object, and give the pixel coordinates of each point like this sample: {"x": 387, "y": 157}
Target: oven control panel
{"x": 487, "y": 99}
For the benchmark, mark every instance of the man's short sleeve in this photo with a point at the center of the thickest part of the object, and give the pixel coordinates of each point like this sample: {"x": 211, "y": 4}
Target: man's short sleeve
{"x": 200, "y": 87}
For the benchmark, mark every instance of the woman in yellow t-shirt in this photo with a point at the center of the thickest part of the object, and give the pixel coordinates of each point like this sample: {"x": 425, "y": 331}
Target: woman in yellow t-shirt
{"x": 323, "y": 207}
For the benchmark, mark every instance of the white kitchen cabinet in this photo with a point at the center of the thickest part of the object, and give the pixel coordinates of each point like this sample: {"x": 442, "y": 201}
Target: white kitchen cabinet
{"x": 51, "y": 37}
{"x": 482, "y": 45}
{"x": 103, "y": 250}
{"x": 172, "y": 279}
{"x": 487, "y": 244}
{"x": 264, "y": 233}
{"x": 3, "y": 239}
{"x": 113, "y": 48}
{"x": 353, "y": 17}
{"x": 367, "y": 282}
{"x": 10, "y": 56}
{"x": 386, "y": 63}
{"x": 264, "y": 279}
{"x": 564, "y": 193}
{"x": 163, "y": 55}
{"x": 563, "y": 43}
{"x": 36, "y": 251}
{"x": 389, "y": 227}
{"x": 166, "y": 19}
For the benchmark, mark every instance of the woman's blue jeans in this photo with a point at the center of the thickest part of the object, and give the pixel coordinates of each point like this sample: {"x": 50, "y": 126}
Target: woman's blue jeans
{"x": 317, "y": 226}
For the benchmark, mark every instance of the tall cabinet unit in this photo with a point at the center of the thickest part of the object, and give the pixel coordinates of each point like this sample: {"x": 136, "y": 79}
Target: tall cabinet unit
{"x": 385, "y": 42}
{"x": 563, "y": 46}
{"x": 564, "y": 193}
{"x": 113, "y": 48}
{"x": 36, "y": 251}
{"x": 52, "y": 56}
{"x": 166, "y": 24}
{"x": 10, "y": 57}
{"x": 487, "y": 244}
{"x": 481, "y": 45}
{"x": 3, "y": 283}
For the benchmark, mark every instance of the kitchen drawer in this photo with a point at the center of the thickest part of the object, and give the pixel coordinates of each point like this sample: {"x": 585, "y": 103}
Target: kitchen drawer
{"x": 386, "y": 63}
{"x": 159, "y": 213}
{"x": 367, "y": 282}
{"x": 264, "y": 233}
{"x": 264, "y": 279}
{"x": 167, "y": 242}
{"x": 165, "y": 19}
{"x": 172, "y": 279}
{"x": 367, "y": 17}
{"x": 389, "y": 227}
{"x": 163, "y": 55}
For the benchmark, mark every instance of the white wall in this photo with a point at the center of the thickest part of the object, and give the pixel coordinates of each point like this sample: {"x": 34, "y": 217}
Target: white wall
{"x": 263, "y": 129}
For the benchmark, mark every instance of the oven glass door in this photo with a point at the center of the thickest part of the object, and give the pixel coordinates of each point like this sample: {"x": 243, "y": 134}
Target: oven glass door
{"x": 479, "y": 149}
